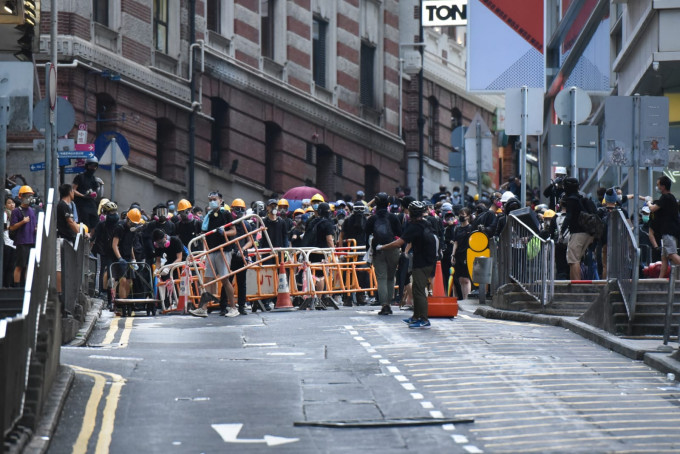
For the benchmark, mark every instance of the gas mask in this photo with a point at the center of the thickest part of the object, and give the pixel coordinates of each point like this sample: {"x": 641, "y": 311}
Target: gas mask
{"x": 163, "y": 243}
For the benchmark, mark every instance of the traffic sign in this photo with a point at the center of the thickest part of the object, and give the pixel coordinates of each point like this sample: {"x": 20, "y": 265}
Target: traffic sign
{"x": 66, "y": 116}
{"x": 62, "y": 145}
{"x": 37, "y": 166}
{"x": 76, "y": 154}
{"x": 564, "y": 105}
{"x": 109, "y": 150}
{"x": 471, "y": 146}
{"x": 84, "y": 147}
{"x": 82, "y": 133}
{"x": 513, "y": 111}
{"x": 74, "y": 169}
{"x": 64, "y": 162}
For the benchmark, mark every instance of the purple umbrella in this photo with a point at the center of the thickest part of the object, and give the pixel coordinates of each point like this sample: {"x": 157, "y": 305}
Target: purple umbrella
{"x": 295, "y": 195}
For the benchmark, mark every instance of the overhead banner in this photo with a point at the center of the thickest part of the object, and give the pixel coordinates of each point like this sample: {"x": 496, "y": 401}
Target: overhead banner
{"x": 505, "y": 45}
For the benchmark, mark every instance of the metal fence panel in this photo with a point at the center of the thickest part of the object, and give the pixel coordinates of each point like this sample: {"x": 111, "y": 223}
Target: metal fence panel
{"x": 623, "y": 259}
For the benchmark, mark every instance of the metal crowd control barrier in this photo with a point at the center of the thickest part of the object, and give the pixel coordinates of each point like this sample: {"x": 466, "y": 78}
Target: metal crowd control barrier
{"x": 526, "y": 259}
{"x": 30, "y": 340}
{"x": 668, "y": 317}
{"x": 200, "y": 253}
{"x": 174, "y": 284}
{"x": 76, "y": 260}
{"x": 623, "y": 257}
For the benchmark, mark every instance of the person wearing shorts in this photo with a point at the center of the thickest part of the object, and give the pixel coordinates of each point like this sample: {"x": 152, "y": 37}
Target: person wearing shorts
{"x": 25, "y": 223}
{"x": 665, "y": 212}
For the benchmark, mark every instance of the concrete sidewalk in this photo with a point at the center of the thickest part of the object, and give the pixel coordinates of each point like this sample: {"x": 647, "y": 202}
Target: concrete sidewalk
{"x": 650, "y": 349}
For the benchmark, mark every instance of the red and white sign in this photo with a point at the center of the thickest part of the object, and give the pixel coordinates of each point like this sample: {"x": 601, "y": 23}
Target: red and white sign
{"x": 84, "y": 147}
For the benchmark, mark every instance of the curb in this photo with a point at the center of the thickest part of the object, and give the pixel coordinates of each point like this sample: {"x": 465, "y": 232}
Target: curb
{"x": 662, "y": 362}
{"x": 49, "y": 419}
{"x": 88, "y": 325}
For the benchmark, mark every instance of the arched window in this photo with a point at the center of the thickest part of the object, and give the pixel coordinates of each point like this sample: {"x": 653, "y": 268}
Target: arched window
{"x": 107, "y": 113}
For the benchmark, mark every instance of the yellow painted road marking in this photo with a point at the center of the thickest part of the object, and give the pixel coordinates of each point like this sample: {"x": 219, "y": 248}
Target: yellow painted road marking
{"x": 111, "y": 333}
{"x": 91, "y": 409}
{"x": 125, "y": 337}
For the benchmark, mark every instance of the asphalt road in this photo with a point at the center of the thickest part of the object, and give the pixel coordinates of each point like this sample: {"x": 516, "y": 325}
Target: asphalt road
{"x": 179, "y": 384}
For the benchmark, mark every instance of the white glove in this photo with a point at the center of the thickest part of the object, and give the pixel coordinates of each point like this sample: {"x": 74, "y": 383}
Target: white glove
{"x": 379, "y": 247}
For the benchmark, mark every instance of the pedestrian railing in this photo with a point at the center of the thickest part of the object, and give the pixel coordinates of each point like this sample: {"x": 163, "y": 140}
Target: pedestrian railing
{"x": 78, "y": 273}
{"x": 526, "y": 259}
{"x": 30, "y": 339}
{"x": 623, "y": 259}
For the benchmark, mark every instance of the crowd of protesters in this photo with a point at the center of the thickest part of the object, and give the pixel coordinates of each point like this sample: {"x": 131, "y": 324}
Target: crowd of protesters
{"x": 391, "y": 227}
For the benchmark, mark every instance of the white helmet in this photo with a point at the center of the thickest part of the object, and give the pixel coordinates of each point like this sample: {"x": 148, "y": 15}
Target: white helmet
{"x": 560, "y": 171}
{"x": 507, "y": 195}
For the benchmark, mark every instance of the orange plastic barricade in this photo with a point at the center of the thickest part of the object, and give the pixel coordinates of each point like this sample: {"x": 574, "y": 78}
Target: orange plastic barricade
{"x": 219, "y": 258}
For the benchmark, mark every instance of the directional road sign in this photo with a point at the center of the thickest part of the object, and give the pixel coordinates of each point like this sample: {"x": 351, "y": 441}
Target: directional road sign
{"x": 84, "y": 147}
{"x": 74, "y": 170}
{"x": 106, "y": 148}
{"x": 37, "y": 166}
{"x": 76, "y": 154}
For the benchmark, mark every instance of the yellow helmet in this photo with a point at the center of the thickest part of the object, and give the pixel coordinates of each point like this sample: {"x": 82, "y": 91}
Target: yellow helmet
{"x": 332, "y": 206}
{"x": 84, "y": 227}
{"x": 308, "y": 209}
{"x": 135, "y": 216}
{"x": 183, "y": 204}
{"x": 298, "y": 211}
{"x": 317, "y": 198}
{"x": 476, "y": 197}
{"x": 548, "y": 214}
{"x": 25, "y": 189}
{"x": 238, "y": 203}
{"x": 283, "y": 202}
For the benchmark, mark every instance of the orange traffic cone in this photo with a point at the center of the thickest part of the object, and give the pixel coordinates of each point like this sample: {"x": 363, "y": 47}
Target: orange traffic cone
{"x": 283, "y": 292}
{"x": 438, "y": 282}
{"x": 440, "y": 305}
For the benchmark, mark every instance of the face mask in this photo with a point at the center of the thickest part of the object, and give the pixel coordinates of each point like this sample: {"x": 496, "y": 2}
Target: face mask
{"x": 102, "y": 217}
{"x": 498, "y": 203}
{"x": 213, "y": 204}
{"x": 619, "y": 197}
{"x": 340, "y": 222}
{"x": 298, "y": 218}
{"x": 456, "y": 194}
{"x": 133, "y": 227}
{"x": 26, "y": 200}
{"x": 274, "y": 212}
{"x": 239, "y": 212}
{"x": 461, "y": 218}
{"x": 171, "y": 208}
{"x": 162, "y": 244}
{"x": 112, "y": 218}
{"x": 657, "y": 190}
{"x": 645, "y": 219}
{"x": 450, "y": 220}
{"x": 315, "y": 206}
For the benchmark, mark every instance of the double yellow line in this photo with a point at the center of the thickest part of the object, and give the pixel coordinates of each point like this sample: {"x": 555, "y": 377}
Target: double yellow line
{"x": 91, "y": 410}
{"x": 113, "y": 329}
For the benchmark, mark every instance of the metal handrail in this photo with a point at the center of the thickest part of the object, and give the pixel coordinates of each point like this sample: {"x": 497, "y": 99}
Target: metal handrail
{"x": 526, "y": 259}
{"x": 623, "y": 259}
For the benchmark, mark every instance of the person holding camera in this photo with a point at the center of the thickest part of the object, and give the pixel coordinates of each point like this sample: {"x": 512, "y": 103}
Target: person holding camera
{"x": 555, "y": 190}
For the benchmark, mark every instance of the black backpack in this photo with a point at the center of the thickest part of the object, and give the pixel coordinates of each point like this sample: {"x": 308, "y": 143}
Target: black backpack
{"x": 309, "y": 238}
{"x": 589, "y": 219}
{"x": 382, "y": 230}
{"x": 431, "y": 241}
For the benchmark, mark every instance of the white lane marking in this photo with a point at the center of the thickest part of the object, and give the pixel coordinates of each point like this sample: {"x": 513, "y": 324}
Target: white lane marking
{"x": 359, "y": 338}
{"x": 459, "y": 439}
{"x": 354, "y": 333}
{"x": 437, "y": 414}
{"x": 376, "y": 356}
{"x": 473, "y": 449}
{"x": 417, "y": 396}
{"x": 265, "y": 344}
{"x": 427, "y": 405}
{"x": 229, "y": 433}
{"x": 116, "y": 358}
{"x": 448, "y": 427}
{"x": 349, "y": 327}
{"x": 465, "y": 316}
{"x": 400, "y": 378}
{"x": 370, "y": 350}
{"x": 393, "y": 369}
{"x": 365, "y": 344}
{"x": 385, "y": 361}
{"x": 408, "y": 386}
{"x": 286, "y": 354}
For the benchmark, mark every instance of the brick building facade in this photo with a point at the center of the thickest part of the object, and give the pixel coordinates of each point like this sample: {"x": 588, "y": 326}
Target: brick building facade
{"x": 286, "y": 93}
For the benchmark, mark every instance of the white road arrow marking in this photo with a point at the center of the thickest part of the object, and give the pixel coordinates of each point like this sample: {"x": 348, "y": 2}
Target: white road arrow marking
{"x": 229, "y": 433}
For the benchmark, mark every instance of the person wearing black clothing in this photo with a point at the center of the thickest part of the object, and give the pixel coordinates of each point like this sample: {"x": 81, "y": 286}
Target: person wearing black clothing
{"x": 579, "y": 239}
{"x": 295, "y": 234}
{"x": 424, "y": 259}
{"x": 102, "y": 239}
{"x": 461, "y": 235}
{"x": 555, "y": 189}
{"x": 85, "y": 188}
{"x": 354, "y": 228}
{"x": 324, "y": 238}
{"x": 486, "y": 221}
{"x": 276, "y": 226}
{"x": 449, "y": 220}
{"x": 187, "y": 226}
{"x": 384, "y": 262}
{"x": 239, "y": 256}
{"x": 160, "y": 221}
{"x": 666, "y": 225}
{"x": 439, "y": 195}
{"x": 403, "y": 272}
{"x": 123, "y": 250}
{"x": 67, "y": 230}
{"x": 169, "y": 246}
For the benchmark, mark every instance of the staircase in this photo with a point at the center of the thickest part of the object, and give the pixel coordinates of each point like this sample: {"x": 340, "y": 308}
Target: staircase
{"x": 570, "y": 300}
{"x": 650, "y": 310}
{"x": 11, "y": 302}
